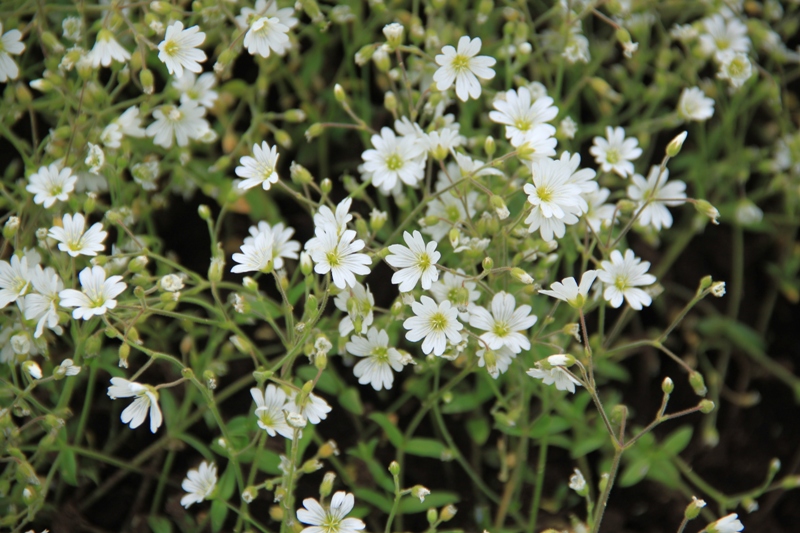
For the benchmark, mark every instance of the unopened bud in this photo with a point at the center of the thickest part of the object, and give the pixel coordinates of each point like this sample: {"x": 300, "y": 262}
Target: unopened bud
{"x": 667, "y": 386}
{"x": 448, "y": 512}
{"x": 432, "y": 515}
{"x": 487, "y": 263}
{"x": 706, "y": 406}
{"x": 390, "y": 102}
{"x": 10, "y": 228}
{"x": 295, "y": 115}
{"x": 418, "y": 491}
{"x": 490, "y": 146}
{"x": 454, "y": 235}
{"x": 124, "y": 352}
{"x": 250, "y": 494}
{"x": 306, "y": 266}
{"x": 338, "y": 92}
{"x": 326, "y": 185}
{"x": 693, "y": 509}
{"x": 326, "y": 487}
{"x": 216, "y": 269}
{"x": 300, "y": 174}
{"x": 521, "y": 275}
{"x": 311, "y": 466}
{"x": 698, "y": 383}
{"x": 500, "y": 207}
{"x": 147, "y": 81}
{"x": 328, "y": 449}
{"x": 394, "y": 34}
{"x": 705, "y": 208}
{"x": 675, "y": 145}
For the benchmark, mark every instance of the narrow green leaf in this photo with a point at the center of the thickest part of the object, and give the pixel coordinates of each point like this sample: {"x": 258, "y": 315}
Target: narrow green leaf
{"x": 219, "y": 511}
{"x": 634, "y": 472}
{"x": 479, "y": 429}
{"x": 426, "y": 448}
{"x": 159, "y": 524}
{"x": 677, "y": 441}
{"x": 374, "y": 498}
{"x": 392, "y": 432}
{"x": 69, "y": 467}
{"x": 350, "y": 400}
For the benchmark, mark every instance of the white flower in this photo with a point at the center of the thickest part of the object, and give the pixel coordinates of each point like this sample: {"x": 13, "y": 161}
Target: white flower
{"x": 197, "y": 89}
{"x": 171, "y": 283}
{"x": 621, "y": 277}
{"x": 495, "y": 361}
{"x": 66, "y": 368}
{"x": 464, "y": 68}
{"x": 259, "y": 170}
{"x": 458, "y": 291}
{"x": 14, "y": 279}
{"x": 747, "y": 212}
{"x": 416, "y": 262}
{"x": 182, "y": 123}
{"x": 9, "y": 45}
{"x": 734, "y": 67}
{"x": 538, "y": 143}
{"x": 256, "y": 255}
{"x": 97, "y": 296}
{"x": 41, "y": 305}
{"x": 336, "y": 221}
{"x": 556, "y": 375}
{"x": 314, "y": 408}
{"x": 520, "y": 113}
{"x": 266, "y": 34}
{"x": 655, "y": 194}
{"x": 332, "y": 519}
{"x": 74, "y": 241}
{"x": 726, "y": 524}
{"x": 451, "y": 207}
{"x": 270, "y": 405}
{"x": 555, "y": 200}
{"x": 577, "y": 481}
{"x": 357, "y": 301}
{"x": 337, "y": 255}
{"x": 577, "y": 48}
{"x": 394, "y": 159}
{"x": 695, "y": 105}
{"x": 199, "y": 483}
{"x": 146, "y": 400}
{"x": 569, "y": 291}
{"x": 436, "y": 324}
{"x": 72, "y": 28}
{"x": 505, "y": 325}
{"x": 50, "y": 184}
{"x": 442, "y": 142}
{"x": 600, "y": 214}
{"x": 615, "y": 153}
{"x": 106, "y": 49}
{"x": 30, "y": 367}
{"x": 568, "y": 128}
{"x": 131, "y": 123}
{"x": 380, "y": 359}
{"x": 95, "y": 158}
{"x": 282, "y": 245}
{"x": 179, "y": 50}
{"x": 267, "y": 28}
{"x": 722, "y": 35}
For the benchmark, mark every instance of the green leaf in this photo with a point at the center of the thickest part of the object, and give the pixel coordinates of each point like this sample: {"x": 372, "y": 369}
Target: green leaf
{"x": 585, "y": 446}
{"x": 426, "y": 448}
{"x": 677, "y": 441}
{"x": 373, "y": 498}
{"x": 350, "y": 400}
{"x": 365, "y": 451}
{"x": 467, "y": 401}
{"x": 69, "y": 467}
{"x": 219, "y": 511}
{"x": 549, "y": 425}
{"x": 634, "y": 472}
{"x": 410, "y": 505}
{"x": 392, "y": 432}
{"x": 159, "y": 524}
{"x": 227, "y": 483}
{"x": 665, "y": 473}
{"x": 479, "y": 430}
{"x": 327, "y": 383}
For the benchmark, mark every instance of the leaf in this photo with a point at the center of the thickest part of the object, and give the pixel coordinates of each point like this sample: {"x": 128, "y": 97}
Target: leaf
{"x": 69, "y": 467}
{"x": 464, "y": 401}
{"x": 427, "y": 448}
{"x": 159, "y": 524}
{"x": 585, "y": 446}
{"x": 479, "y": 430}
{"x": 436, "y": 498}
{"x": 665, "y": 473}
{"x": 392, "y": 432}
{"x": 549, "y": 425}
{"x": 365, "y": 451}
{"x": 219, "y": 511}
{"x": 634, "y": 472}
{"x": 327, "y": 383}
{"x": 374, "y": 498}
{"x": 227, "y": 483}
{"x": 677, "y": 441}
{"x": 350, "y": 400}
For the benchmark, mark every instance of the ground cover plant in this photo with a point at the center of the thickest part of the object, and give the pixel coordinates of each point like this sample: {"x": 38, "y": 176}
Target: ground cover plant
{"x": 380, "y": 265}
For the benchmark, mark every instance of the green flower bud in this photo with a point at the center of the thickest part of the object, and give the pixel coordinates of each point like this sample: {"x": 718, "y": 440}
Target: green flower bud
{"x": 394, "y": 468}
{"x": 675, "y": 145}
{"x": 705, "y": 208}
{"x": 390, "y": 102}
{"x": 147, "y": 81}
{"x": 326, "y": 487}
{"x": 300, "y": 174}
{"x": 187, "y": 372}
{"x": 693, "y": 509}
{"x": 10, "y": 228}
{"x": 698, "y": 383}
{"x": 338, "y": 92}
{"x": 448, "y": 512}
{"x": 295, "y": 116}
{"x": 706, "y": 406}
{"x": 487, "y": 263}
{"x": 667, "y": 386}
{"x": 432, "y": 515}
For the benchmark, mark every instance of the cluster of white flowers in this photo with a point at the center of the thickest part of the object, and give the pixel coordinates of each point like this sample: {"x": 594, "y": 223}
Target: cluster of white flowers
{"x": 279, "y": 413}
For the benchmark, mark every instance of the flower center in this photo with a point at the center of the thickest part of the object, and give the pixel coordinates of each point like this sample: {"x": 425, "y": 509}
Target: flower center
{"x": 381, "y": 353}
{"x": 265, "y": 170}
{"x": 522, "y": 124}
{"x": 736, "y": 68}
{"x": 453, "y": 213}
{"x": 621, "y": 283}
{"x": 331, "y": 523}
{"x": 612, "y": 156}
{"x": 501, "y": 329}
{"x": 424, "y": 261}
{"x": 722, "y": 43}
{"x": 460, "y": 63}
{"x": 544, "y": 194}
{"x": 333, "y": 258}
{"x": 394, "y": 162}
{"x": 171, "y": 48}
{"x": 438, "y": 321}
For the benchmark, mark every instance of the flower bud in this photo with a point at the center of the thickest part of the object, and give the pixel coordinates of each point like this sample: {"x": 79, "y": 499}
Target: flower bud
{"x": 124, "y": 352}
{"x": 381, "y": 60}
{"x": 296, "y": 420}
{"x": 394, "y": 34}
{"x": 377, "y": 219}
{"x": 705, "y": 208}
{"x": 328, "y": 449}
{"x": 10, "y": 228}
{"x": 454, "y": 235}
{"x": 448, "y": 512}
{"x": 364, "y": 54}
{"x": 394, "y": 468}
{"x": 215, "y": 269}
{"x": 306, "y": 266}
{"x": 490, "y": 146}
{"x": 300, "y": 174}
{"x": 326, "y": 185}
{"x": 311, "y": 466}
{"x": 418, "y": 491}
{"x": 32, "y": 369}
{"x": 698, "y": 383}
{"x": 706, "y": 406}
{"x": 295, "y": 116}
{"x": 521, "y": 275}
{"x": 675, "y": 145}
{"x": 338, "y": 92}
{"x": 774, "y": 466}
{"x": 250, "y": 493}
{"x": 390, "y": 102}
{"x": 667, "y": 386}
{"x": 432, "y": 515}
{"x": 147, "y": 81}
{"x": 487, "y": 263}
{"x": 693, "y": 509}
{"x": 326, "y": 487}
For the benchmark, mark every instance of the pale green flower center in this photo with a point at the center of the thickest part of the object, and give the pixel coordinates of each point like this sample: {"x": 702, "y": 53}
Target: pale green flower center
{"x": 544, "y": 194}
{"x": 460, "y": 63}
{"x": 439, "y": 321}
{"x": 621, "y": 283}
{"x": 333, "y": 258}
{"x": 266, "y": 419}
{"x": 722, "y": 43}
{"x": 381, "y": 353}
{"x": 331, "y": 524}
{"x": 522, "y": 124}
{"x": 424, "y": 261}
{"x": 171, "y": 48}
{"x": 612, "y": 156}
{"x": 501, "y": 329}
{"x": 265, "y": 170}
{"x": 394, "y": 162}
{"x": 453, "y": 213}
{"x": 736, "y": 67}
